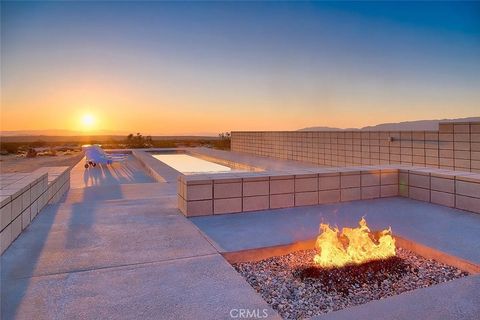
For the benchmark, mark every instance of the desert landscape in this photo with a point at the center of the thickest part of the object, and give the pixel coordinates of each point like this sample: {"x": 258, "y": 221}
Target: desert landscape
{"x": 19, "y": 163}
{"x": 231, "y": 160}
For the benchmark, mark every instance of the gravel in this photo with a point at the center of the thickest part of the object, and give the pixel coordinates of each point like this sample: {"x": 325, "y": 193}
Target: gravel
{"x": 297, "y": 289}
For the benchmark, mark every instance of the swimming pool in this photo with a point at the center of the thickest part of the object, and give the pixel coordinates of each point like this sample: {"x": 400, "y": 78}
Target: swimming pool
{"x": 187, "y": 164}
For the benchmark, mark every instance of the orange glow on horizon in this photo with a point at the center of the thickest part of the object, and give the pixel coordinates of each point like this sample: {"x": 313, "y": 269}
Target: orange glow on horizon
{"x": 122, "y": 108}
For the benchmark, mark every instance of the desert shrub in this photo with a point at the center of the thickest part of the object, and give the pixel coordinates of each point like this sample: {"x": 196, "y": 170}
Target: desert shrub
{"x": 224, "y": 142}
{"x": 138, "y": 141}
{"x": 164, "y": 144}
{"x": 38, "y": 144}
{"x": 10, "y": 147}
{"x": 31, "y": 153}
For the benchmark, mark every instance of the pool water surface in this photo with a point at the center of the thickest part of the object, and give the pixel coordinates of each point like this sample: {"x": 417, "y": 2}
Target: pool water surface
{"x": 187, "y": 164}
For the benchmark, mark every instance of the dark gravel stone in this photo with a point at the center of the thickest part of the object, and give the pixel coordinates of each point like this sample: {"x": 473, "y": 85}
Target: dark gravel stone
{"x": 294, "y": 286}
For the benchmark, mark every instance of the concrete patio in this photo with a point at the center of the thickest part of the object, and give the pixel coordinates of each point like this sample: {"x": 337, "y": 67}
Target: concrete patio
{"x": 117, "y": 246}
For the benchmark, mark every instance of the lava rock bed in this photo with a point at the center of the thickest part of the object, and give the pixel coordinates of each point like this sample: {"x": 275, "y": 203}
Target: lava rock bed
{"x": 297, "y": 289}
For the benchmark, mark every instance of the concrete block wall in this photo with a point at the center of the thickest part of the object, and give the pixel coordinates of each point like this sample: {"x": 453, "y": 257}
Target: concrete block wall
{"x": 453, "y": 189}
{"x": 24, "y": 195}
{"x": 455, "y": 146}
{"x": 230, "y": 193}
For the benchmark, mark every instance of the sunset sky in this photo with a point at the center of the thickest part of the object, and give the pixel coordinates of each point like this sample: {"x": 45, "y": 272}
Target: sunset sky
{"x": 194, "y": 68}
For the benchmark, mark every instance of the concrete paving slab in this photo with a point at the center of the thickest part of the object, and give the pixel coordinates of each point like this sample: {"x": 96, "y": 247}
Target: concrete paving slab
{"x": 83, "y": 237}
{"x": 458, "y": 299}
{"x": 452, "y": 231}
{"x": 121, "y": 191}
{"x": 205, "y": 287}
{"x": 130, "y": 171}
{"x": 104, "y": 211}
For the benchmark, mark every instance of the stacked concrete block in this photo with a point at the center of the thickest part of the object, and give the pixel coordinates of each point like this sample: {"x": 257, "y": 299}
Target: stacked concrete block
{"x": 350, "y": 185}
{"x": 227, "y": 195}
{"x": 328, "y": 187}
{"x": 442, "y": 188}
{"x": 24, "y": 195}
{"x": 196, "y": 195}
{"x": 394, "y": 148}
{"x": 418, "y": 148}
{"x": 432, "y": 149}
{"x": 403, "y": 182}
{"x": 467, "y": 192}
{"x": 58, "y": 182}
{"x": 406, "y": 148}
{"x": 370, "y": 184}
{"x": 461, "y": 146}
{"x": 357, "y": 148}
{"x": 445, "y": 146}
{"x": 256, "y": 189}
{"x": 455, "y": 146}
{"x": 281, "y": 190}
{"x": 419, "y": 185}
{"x": 365, "y": 148}
{"x": 449, "y": 188}
{"x": 306, "y": 189}
{"x": 388, "y": 182}
{"x": 241, "y": 192}
{"x": 475, "y": 147}
{"x": 374, "y": 140}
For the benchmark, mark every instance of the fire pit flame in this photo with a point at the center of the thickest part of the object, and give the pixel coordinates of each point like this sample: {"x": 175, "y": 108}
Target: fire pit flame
{"x": 352, "y": 245}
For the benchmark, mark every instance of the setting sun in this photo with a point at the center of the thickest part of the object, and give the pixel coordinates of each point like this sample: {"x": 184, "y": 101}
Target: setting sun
{"x": 88, "y": 121}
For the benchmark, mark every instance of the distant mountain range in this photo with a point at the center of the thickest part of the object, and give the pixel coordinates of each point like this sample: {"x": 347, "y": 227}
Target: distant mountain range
{"x": 422, "y": 125}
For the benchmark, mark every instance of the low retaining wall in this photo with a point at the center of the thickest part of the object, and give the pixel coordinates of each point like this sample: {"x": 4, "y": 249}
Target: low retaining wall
{"x": 230, "y": 193}
{"x": 454, "y": 189}
{"x": 24, "y": 195}
{"x": 455, "y": 146}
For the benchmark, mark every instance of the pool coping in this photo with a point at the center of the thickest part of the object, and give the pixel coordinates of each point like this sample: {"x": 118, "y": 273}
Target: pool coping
{"x": 161, "y": 172}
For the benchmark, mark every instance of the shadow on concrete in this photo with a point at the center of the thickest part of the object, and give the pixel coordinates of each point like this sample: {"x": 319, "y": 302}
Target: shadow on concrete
{"x": 18, "y": 263}
{"x": 127, "y": 172}
{"x": 79, "y": 225}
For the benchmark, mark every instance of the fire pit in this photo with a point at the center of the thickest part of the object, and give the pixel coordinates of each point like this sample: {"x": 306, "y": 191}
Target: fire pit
{"x": 306, "y": 283}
